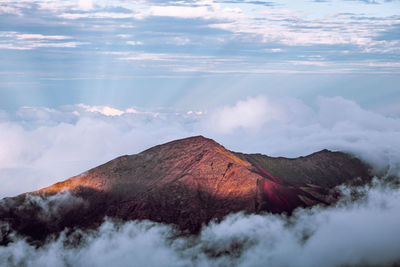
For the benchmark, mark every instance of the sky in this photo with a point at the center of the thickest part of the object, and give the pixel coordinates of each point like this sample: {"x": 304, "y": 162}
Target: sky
{"x": 83, "y": 82}
{"x": 187, "y": 55}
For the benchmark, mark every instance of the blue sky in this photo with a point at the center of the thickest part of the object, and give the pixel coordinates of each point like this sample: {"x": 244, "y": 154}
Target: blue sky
{"x": 198, "y": 54}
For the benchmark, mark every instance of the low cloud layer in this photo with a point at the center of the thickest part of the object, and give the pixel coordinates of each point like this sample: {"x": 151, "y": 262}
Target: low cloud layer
{"x": 361, "y": 233}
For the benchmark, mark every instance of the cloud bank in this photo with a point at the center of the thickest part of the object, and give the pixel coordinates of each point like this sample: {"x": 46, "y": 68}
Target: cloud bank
{"x": 361, "y": 233}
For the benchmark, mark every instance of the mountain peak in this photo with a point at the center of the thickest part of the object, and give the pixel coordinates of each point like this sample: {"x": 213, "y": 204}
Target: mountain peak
{"x": 190, "y": 181}
{"x": 183, "y": 143}
{"x": 170, "y": 159}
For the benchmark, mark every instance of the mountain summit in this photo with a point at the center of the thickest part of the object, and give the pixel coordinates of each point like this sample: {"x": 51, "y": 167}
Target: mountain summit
{"x": 187, "y": 182}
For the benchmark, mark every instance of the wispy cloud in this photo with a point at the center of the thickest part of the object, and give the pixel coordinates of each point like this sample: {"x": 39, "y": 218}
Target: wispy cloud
{"x": 97, "y": 15}
{"x": 22, "y": 41}
{"x": 201, "y": 10}
{"x": 36, "y": 36}
{"x": 106, "y": 40}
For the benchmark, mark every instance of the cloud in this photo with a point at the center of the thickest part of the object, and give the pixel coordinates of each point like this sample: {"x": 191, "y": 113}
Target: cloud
{"x": 134, "y": 43}
{"x": 364, "y": 232}
{"x": 97, "y": 15}
{"x": 164, "y": 57}
{"x": 124, "y": 36}
{"x": 25, "y": 41}
{"x": 288, "y": 127}
{"x": 246, "y": 32}
{"x": 50, "y": 209}
{"x": 41, "y": 37}
{"x": 85, "y": 4}
{"x": 206, "y": 9}
{"x": 105, "y": 110}
{"x": 250, "y": 114}
{"x": 292, "y": 30}
{"x": 336, "y": 236}
{"x": 55, "y": 145}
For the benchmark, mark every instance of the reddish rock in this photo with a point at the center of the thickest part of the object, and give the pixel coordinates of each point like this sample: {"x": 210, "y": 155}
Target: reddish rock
{"x": 186, "y": 182}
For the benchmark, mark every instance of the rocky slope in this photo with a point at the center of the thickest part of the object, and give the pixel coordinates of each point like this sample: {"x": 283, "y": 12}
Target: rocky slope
{"x": 186, "y": 182}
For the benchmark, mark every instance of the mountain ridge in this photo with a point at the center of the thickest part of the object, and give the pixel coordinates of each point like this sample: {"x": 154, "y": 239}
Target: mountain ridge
{"x": 188, "y": 183}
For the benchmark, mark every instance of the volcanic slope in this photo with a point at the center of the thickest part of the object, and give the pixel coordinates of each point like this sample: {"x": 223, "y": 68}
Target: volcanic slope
{"x": 186, "y": 182}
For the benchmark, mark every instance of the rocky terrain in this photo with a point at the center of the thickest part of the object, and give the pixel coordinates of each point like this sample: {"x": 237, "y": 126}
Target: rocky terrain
{"x": 187, "y": 183}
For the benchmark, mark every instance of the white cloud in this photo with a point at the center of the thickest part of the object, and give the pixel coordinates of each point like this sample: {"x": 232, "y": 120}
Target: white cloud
{"x": 294, "y": 29}
{"x": 250, "y": 114}
{"x": 13, "y": 47}
{"x": 105, "y": 110}
{"x": 273, "y": 50}
{"x": 124, "y": 36}
{"x": 146, "y": 56}
{"x": 131, "y": 110}
{"x": 8, "y": 7}
{"x": 134, "y": 42}
{"x": 41, "y": 36}
{"x": 206, "y": 9}
{"x": 180, "y": 40}
{"x": 285, "y": 24}
{"x": 85, "y": 4}
{"x": 309, "y": 63}
{"x": 137, "y": 56}
{"x": 19, "y": 41}
{"x": 384, "y": 64}
{"x": 110, "y": 111}
{"x": 44, "y": 146}
{"x": 32, "y": 45}
{"x": 104, "y": 15}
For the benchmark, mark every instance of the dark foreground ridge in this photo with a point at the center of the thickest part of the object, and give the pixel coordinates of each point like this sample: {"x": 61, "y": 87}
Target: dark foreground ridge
{"x": 187, "y": 182}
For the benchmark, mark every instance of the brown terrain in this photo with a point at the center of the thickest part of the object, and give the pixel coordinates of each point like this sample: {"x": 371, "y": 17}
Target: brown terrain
{"x": 187, "y": 183}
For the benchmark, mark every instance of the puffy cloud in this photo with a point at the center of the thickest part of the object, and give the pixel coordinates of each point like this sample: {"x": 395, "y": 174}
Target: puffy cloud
{"x": 55, "y": 145}
{"x": 105, "y": 110}
{"x": 296, "y": 129}
{"x": 253, "y": 113}
{"x": 47, "y": 209}
{"x": 249, "y": 114}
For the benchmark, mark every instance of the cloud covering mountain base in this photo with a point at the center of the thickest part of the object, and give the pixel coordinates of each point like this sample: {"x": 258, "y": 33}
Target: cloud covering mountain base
{"x": 352, "y": 233}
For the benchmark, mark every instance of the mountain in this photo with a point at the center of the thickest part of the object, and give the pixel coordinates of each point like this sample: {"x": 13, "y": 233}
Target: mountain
{"x": 187, "y": 182}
